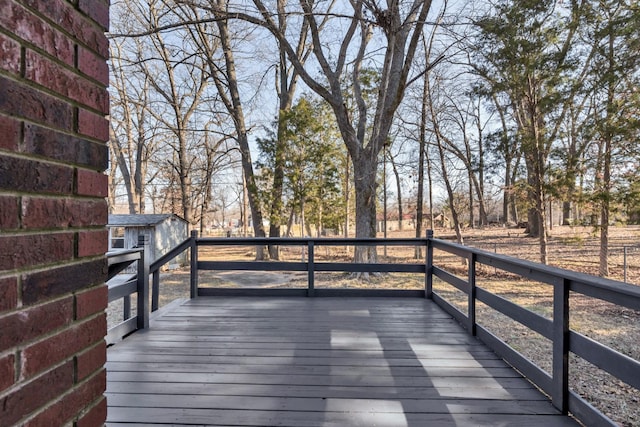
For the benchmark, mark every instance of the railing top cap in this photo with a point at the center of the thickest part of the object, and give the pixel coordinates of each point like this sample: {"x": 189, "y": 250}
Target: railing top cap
{"x": 554, "y": 275}
{"x": 315, "y": 240}
{"x": 116, "y": 252}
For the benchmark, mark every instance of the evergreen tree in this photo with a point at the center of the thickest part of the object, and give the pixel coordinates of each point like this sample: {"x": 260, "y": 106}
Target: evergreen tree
{"x": 524, "y": 53}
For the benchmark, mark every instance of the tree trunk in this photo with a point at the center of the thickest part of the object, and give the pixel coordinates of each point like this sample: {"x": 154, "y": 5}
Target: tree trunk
{"x": 292, "y": 215}
{"x": 112, "y": 186}
{"x": 243, "y": 142}
{"x": 566, "y": 213}
{"x": 445, "y": 177}
{"x": 606, "y": 163}
{"x": 303, "y": 220}
{"x": 505, "y": 204}
{"x": 542, "y": 221}
{"x": 537, "y": 226}
{"x": 603, "y": 269}
{"x": 482, "y": 210}
{"x": 532, "y": 230}
{"x": 471, "y": 213}
{"x": 347, "y": 199}
{"x": 396, "y": 173}
{"x": 512, "y": 199}
{"x": 184, "y": 177}
{"x": 430, "y": 182}
{"x": 421, "y": 155}
{"x": 276, "y": 192}
{"x": 365, "y": 168}
{"x": 319, "y": 226}
{"x": 138, "y": 176}
{"x": 252, "y": 190}
{"x": 286, "y": 90}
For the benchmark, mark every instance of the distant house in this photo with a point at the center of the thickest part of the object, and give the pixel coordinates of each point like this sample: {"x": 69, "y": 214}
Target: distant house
{"x": 392, "y": 223}
{"x": 165, "y": 231}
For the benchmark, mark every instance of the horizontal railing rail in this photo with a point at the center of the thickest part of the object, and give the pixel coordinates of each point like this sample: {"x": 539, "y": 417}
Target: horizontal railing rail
{"x": 564, "y": 340}
{"x": 119, "y": 260}
{"x": 154, "y": 269}
{"x": 311, "y": 266}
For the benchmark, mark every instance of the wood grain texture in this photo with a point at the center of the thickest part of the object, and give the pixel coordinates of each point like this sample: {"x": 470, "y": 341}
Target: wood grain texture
{"x": 291, "y": 361}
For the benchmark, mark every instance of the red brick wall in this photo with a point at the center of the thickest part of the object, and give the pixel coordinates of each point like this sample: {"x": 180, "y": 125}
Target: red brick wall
{"x": 53, "y": 102}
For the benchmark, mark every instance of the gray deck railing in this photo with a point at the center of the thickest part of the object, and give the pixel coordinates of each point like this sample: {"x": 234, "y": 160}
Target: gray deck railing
{"x": 311, "y": 265}
{"x": 556, "y": 329}
{"x": 154, "y": 268}
{"x": 122, "y": 286}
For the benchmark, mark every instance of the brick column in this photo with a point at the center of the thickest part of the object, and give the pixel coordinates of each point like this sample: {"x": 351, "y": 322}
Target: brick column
{"x": 53, "y": 133}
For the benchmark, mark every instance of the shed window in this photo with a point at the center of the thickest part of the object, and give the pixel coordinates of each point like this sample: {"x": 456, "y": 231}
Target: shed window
{"x": 116, "y": 240}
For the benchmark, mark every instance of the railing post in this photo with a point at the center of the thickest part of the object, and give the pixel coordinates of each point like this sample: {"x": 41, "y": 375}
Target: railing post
{"x": 194, "y": 264}
{"x": 428, "y": 271}
{"x": 143, "y": 283}
{"x": 311, "y": 268}
{"x": 471, "y": 309}
{"x": 155, "y": 290}
{"x": 560, "y": 384}
{"x": 126, "y": 306}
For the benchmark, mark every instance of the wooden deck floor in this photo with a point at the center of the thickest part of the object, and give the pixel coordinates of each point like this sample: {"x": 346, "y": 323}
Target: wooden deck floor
{"x": 315, "y": 362}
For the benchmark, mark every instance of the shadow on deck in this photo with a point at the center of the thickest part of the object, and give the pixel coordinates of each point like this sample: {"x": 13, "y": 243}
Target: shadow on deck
{"x": 288, "y": 361}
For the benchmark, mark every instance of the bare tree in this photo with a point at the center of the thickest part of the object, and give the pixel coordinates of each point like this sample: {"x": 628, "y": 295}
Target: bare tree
{"x": 463, "y": 113}
{"x": 510, "y": 156}
{"x": 398, "y": 28}
{"x": 179, "y": 87}
{"x": 435, "y": 113}
{"x": 211, "y": 33}
{"x": 201, "y": 18}
{"x": 396, "y": 172}
{"x": 216, "y": 157}
{"x": 421, "y": 126}
{"x": 132, "y": 139}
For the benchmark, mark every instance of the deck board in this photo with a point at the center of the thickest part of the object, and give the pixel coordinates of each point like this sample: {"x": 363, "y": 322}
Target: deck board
{"x": 287, "y": 361}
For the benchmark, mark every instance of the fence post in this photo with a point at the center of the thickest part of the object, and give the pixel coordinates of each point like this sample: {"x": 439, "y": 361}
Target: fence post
{"x": 143, "y": 283}
{"x": 311, "y": 268}
{"x": 428, "y": 271}
{"x": 624, "y": 248}
{"x": 471, "y": 308}
{"x": 194, "y": 264}
{"x": 560, "y": 384}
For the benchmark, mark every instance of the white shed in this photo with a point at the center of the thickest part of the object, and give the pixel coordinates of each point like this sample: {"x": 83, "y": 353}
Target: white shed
{"x": 165, "y": 232}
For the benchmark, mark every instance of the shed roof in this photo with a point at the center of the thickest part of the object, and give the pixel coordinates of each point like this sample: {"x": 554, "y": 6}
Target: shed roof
{"x": 142, "y": 220}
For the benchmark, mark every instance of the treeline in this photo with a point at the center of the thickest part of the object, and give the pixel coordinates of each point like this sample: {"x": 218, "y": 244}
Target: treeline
{"x": 477, "y": 110}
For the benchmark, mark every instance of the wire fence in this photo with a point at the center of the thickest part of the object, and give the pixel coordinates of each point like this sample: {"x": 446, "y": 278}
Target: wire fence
{"x": 623, "y": 259}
